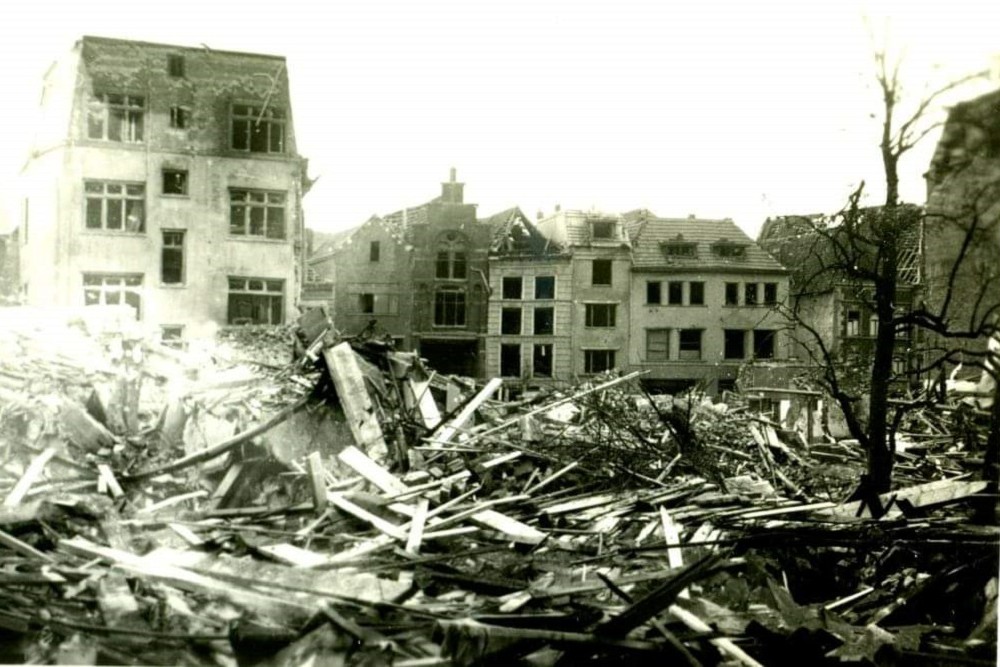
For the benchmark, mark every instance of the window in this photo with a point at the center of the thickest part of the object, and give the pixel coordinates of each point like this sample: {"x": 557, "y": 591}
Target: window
{"x": 449, "y": 308}
{"x": 180, "y": 118}
{"x": 510, "y": 360}
{"x": 763, "y": 344}
{"x": 750, "y": 294}
{"x": 675, "y": 293}
{"x": 104, "y": 289}
{"x": 696, "y": 293}
{"x": 600, "y": 314}
{"x": 732, "y": 294}
{"x": 172, "y": 258}
{"x": 545, "y": 287}
{"x": 601, "y": 272}
{"x": 366, "y": 302}
{"x": 544, "y": 321}
{"x": 510, "y": 321}
{"x": 679, "y": 249}
{"x": 770, "y": 294}
{"x": 873, "y": 325}
{"x": 541, "y": 361}
{"x": 175, "y": 182}
{"x": 257, "y": 213}
{"x": 727, "y": 384}
{"x": 852, "y": 323}
{"x": 255, "y": 301}
{"x": 657, "y": 344}
{"x": 374, "y": 251}
{"x": 602, "y": 230}
{"x": 258, "y": 129}
{"x": 689, "y": 345}
{"x": 175, "y": 65}
{"x": 172, "y": 335}
{"x": 115, "y": 207}
{"x": 653, "y": 295}
{"x": 116, "y": 118}
{"x": 512, "y": 287}
{"x": 729, "y": 249}
{"x": 734, "y": 343}
{"x": 598, "y": 361}
{"x": 451, "y": 258}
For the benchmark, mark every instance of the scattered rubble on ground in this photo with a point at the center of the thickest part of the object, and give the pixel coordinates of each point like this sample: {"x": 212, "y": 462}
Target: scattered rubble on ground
{"x": 301, "y": 497}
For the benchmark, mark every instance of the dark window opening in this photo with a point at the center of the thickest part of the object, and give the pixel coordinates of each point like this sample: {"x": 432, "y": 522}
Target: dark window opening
{"x": 601, "y": 272}
{"x": 510, "y": 360}
{"x": 257, "y": 213}
{"x": 175, "y": 65}
{"x": 732, "y": 294}
{"x": 544, "y": 321}
{"x": 374, "y": 251}
{"x": 770, "y": 294}
{"x": 172, "y": 259}
{"x": 510, "y": 321}
{"x": 175, "y": 182}
{"x": 657, "y": 344}
{"x": 511, "y": 287}
{"x": 449, "y": 309}
{"x": 116, "y": 118}
{"x": 853, "y": 323}
{"x": 541, "y": 361}
{"x": 750, "y": 294}
{"x": 675, "y": 293}
{"x": 545, "y": 287}
{"x": 602, "y": 230}
{"x": 734, "y": 343}
{"x": 255, "y": 301}
{"x": 451, "y": 263}
{"x": 366, "y": 303}
{"x": 727, "y": 384}
{"x": 598, "y": 361}
{"x": 696, "y": 293}
{"x": 172, "y": 335}
{"x": 116, "y": 207}
{"x": 180, "y": 118}
{"x": 599, "y": 315}
{"x": 258, "y": 129}
{"x": 653, "y": 293}
{"x": 679, "y": 249}
{"x": 689, "y": 345}
{"x": 763, "y": 344}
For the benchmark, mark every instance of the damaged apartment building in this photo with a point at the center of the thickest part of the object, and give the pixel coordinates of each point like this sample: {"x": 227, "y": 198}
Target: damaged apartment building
{"x": 165, "y": 178}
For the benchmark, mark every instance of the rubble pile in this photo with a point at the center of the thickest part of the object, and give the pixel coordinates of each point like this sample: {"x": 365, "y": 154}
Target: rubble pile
{"x": 349, "y": 506}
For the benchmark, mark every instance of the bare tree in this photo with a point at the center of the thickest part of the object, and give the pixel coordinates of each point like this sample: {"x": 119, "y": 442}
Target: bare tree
{"x": 869, "y": 256}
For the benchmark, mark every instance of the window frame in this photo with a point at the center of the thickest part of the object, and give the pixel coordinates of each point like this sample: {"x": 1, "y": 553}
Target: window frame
{"x": 505, "y": 350}
{"x": 699, "y": 291}
{"x": 173, "y": 248}
{"x": 732, "y": 294}
{"x": 541, "y": 292}
{"x": 262, "y": 288}
{"x": 766, "y": 339}
{"x": 450, "y": 309}
{"x": 253, "y": 114}
{"x": 180, "y": 117}
{"x": 511, "y": 280}
{"x": 591, "y": 315}
{"x": 254, "y": 199}
{"x": 592, "y": 355}
{"x": 675, "y": 293}
{"x": 106, "y": 197}
{"x": 168, "y": 173}
{"x": 374, "y": 251}
{"x": 601, "y": 268}
{"x": 729, "y": 343}
{"x": 654, "y": 293}
{"x": 122, "y": 284}
{"x": 751, "y": 294}
{"x": 770, "y": 294}
{"x": 685, "y": 353}
{"x": 551, "y": 321}
{"x": 505, "y": 320}
{"x": 124, "y": 110}
{"x": 657, "y": 354}
{"x": 452, "y": 259}
{"x": 534, "y": 360}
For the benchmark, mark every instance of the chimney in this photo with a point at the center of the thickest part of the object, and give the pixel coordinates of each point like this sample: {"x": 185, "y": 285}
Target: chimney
{"x": 451, "y": 192}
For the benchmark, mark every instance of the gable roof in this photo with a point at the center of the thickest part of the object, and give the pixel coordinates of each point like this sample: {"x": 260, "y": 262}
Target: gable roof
{"x": 515, "y": 234}
{"x": 650, "y": 235}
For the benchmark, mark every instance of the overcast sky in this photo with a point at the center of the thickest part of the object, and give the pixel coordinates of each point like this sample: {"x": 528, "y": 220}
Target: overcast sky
{"x": 720, "y": 108}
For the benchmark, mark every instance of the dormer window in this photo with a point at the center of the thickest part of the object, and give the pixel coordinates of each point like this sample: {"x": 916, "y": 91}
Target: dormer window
{"x": 729, "y": 249}
{"x": 602, "y": 230}
{"x": 679, "y": 249}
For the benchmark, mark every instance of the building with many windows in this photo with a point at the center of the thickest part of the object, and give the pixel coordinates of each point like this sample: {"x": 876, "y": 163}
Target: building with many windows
{"x": 165, "y": 178}
{"x": 702, "y": 302}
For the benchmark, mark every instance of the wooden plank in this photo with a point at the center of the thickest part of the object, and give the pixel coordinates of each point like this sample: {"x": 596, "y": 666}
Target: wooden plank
{"x": 30, "y": 476}
{"x": 922, "y": 495}
{"x": 444, "y": 436}
{"x": 392, "y": 530}
{"x": 23, "y": 548}
{"x": 290, "y": 554}
{"x": 110, "y": 481}
{"x": 352, "y": 393}
{"x": 417, "y": 527}
{"x": 417, "y": 394}
{"x": 317, "y": 477}
{"x": 724, "y": 644}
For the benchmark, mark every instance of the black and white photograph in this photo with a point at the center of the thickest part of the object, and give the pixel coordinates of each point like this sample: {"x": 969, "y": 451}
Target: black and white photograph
{"x": 539, "y": 334}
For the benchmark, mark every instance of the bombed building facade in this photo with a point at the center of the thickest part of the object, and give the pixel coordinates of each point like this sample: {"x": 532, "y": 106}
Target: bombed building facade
{"x": 165, "y": 178}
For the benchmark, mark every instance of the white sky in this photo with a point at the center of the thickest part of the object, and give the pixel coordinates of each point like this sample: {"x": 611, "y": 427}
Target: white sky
{"x": 713, "y": 107}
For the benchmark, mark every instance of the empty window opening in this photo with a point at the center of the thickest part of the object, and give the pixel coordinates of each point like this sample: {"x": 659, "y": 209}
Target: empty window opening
{"x": 675, "y": 293}
{"x": 512, "y": 287}
{"x": 545, "y": 287}
{"x": 116, "y": 118}
{"x": 734, "y": 343}
{"x": 689, "y": 344}
{"x": 175, "y": 182}
{"x": 255, "y": 301}
{"x": 750, "y": 294}
{"x": 598, "y": 361}
{"x": 541, "y": 361}
{"x": 510, "y": 321}
{"x": 599, "y": 314}
{"x": 257, "y": 213}
{"x": 732, "y": 294}
{"x": 510, "y": 360}
{"x": 601, "y": 272}
{"x": 374, "y": 251}
{"x": 770, "y": 294}
{"x": 544, "y": 321}
{"x": 449, "y": 308}
{"x": 852, "y": 323}
{"x": 653, "y": 293}
{"x": 109, "y": 289}
{"x": 366, "y": 303}
{"x": 172, "y": 258}
{"x": 763, "y": 344}
{"x": 452, "y": 263}
{"x": 258, "y": 129}
{"x": 175, "y": 65}
{"x": 696, "y": 293}
{"x": 603, "y": 230}
{"x": 180, "y": 118}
